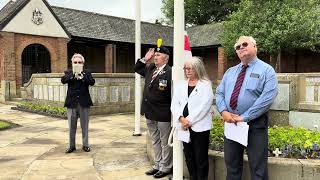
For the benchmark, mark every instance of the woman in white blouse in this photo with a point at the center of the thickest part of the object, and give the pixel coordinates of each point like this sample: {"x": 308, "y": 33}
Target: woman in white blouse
{"x": 191, "y": 109}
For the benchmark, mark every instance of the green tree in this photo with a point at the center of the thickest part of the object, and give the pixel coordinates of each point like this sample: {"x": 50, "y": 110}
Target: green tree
{"x": 198, "y": 12}
{"x": 277, "y": 25}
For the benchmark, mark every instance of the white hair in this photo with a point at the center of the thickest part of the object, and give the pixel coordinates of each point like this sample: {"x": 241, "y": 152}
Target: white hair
{"x": 198, "y": 66}
{"x": 76, "y": 55}
{"x": 250, "y": 38}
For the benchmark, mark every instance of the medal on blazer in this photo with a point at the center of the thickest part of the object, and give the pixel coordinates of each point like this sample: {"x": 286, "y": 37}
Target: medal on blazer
{"x": 162, "y": 84}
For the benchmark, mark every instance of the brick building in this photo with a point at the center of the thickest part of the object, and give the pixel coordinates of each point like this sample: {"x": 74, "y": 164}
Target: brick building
{"x": 36, "y": 37}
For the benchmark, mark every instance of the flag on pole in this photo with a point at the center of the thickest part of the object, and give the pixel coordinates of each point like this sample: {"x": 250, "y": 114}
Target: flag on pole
{"x": 187, "y": 49}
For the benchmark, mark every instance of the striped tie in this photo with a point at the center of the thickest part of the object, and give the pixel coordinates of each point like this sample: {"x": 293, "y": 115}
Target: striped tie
{"x": 154, "y": 75}
{"x": 237, "y": 87}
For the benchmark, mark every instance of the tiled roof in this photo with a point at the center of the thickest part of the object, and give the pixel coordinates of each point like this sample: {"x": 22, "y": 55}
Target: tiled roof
{"x": 9, "y": 10}
{"x": 205, "y": 35}
{"x": 99, "y": 26}
{"x": 86, "y": 24}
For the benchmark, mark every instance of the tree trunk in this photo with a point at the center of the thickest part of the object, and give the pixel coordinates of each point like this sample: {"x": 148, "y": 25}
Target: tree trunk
{"x": 278, "y": 64}
{"x": 275, "y": 61}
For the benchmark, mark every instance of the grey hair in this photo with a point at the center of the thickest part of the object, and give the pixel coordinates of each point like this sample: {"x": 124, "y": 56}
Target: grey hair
{"x": 167, "y": 57}
{"x": 198, "y": 66}
{"x": 246, "y": 37}
{"x": 76, "y": 55}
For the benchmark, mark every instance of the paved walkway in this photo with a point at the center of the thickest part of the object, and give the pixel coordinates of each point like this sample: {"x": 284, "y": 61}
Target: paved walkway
{"x": 35, "y": 150}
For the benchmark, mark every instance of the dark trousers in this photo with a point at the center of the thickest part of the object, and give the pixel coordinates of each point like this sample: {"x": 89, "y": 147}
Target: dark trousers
{"x": 73, "y": 115}
{"x": 257, "y": 151}
{"x": 196, "y": 154}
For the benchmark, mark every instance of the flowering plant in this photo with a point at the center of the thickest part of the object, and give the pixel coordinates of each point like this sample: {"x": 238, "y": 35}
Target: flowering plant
{"x": 293, "y": 142}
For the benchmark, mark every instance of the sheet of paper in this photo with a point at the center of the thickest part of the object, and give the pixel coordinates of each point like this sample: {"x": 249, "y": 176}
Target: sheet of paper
{"x": 238, "y": 133}
{"x": 183, "y": 135}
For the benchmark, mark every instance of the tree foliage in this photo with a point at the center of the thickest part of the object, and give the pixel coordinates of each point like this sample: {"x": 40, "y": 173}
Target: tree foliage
{"x": 198, "y": 12}
{"x": 276, "y": 25}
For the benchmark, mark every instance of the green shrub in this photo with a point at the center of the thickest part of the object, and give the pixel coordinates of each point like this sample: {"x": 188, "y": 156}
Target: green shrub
{"x": 52, "y": 110}
{"x": 293, "y": 142}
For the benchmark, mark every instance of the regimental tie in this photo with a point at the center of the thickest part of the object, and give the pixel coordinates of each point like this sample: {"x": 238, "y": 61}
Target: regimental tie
{"x": 237, "y": 87}
{"x": 154, "y": 75}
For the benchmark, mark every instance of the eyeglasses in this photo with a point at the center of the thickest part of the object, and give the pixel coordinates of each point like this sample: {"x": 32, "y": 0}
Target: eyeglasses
{"x": 77, "y": 62}
{"x": 244, "y": 44}
{"x": 187, "y": 68}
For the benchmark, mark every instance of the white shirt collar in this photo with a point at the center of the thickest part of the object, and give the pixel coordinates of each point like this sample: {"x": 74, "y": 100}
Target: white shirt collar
{"x": 161, "y": 68}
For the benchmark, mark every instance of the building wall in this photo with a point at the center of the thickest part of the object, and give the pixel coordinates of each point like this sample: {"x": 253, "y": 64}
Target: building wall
{"x": 300, "y": 61}
{"x": 210, "y": 60}
{"x": 22, "y": 22}
{"x": 12, "y": 46}
{"x": 125, "y": 58}
{"x": 8, "y": 52}
{"x": 112, "y": 93}
{"x": 288, "y": 63}
{"x": 93, "y": 54}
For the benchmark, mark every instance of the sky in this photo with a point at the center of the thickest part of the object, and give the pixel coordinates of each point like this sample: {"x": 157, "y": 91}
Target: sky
{"x": 150, "y": 9}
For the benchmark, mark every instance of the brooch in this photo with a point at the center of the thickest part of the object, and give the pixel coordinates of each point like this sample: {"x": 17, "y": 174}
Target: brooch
{"x": 162, "y": 72}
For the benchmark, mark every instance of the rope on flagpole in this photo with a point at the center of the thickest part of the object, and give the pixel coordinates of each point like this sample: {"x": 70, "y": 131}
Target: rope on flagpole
{"x": 170, "y": 139}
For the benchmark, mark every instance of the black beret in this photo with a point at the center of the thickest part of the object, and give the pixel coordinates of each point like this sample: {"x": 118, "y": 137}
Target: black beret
{"x": 163, "y": 50}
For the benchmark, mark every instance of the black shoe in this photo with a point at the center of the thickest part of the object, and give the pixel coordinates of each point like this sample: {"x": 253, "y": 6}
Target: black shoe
{"x": 70, "y": 150}
{"x": 161, "y": 174}
{"x": 151, "y": 172}
{"x": 86, "y": 148}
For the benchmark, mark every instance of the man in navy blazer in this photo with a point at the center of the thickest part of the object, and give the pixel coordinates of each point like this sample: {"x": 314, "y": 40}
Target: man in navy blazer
{"x": 78, "y": 101}
{"x": 156, "y": 106}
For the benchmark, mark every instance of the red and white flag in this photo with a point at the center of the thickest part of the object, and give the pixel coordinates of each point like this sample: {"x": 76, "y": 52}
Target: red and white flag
{"x": 187, "y": 49}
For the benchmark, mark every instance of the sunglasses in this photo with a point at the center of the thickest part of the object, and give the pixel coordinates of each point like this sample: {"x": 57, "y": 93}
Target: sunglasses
{"x": 244, "y": 44}
{"x": 77, "y": 62}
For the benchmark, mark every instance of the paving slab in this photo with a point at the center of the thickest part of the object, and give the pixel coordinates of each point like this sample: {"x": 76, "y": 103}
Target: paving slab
{"x": 35, "y": 149}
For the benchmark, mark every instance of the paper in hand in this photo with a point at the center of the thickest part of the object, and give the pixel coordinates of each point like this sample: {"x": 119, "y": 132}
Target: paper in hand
{"x": 182, "y": 134}
{"x": 77, "y": 68}
{"x": 237, "y": 133}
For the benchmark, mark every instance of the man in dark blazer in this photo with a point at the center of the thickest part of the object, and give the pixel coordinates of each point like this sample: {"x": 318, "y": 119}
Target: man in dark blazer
{"x": 156, "y": 106}
{"x": 78, "y": 101}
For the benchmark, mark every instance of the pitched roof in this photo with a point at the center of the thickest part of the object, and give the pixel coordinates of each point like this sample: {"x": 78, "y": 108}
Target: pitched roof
{"x": 205, "y": 35}
{"x": 86, "y": 24}
{"x": 10, "y": 10}
{"x": 99, "y": 26}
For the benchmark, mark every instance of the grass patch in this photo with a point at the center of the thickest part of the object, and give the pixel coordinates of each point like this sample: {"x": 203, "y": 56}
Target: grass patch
{"x": 4, "y": 125}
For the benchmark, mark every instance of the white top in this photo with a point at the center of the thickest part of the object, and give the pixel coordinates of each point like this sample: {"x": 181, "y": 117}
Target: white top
{"x": 199, "y": 105}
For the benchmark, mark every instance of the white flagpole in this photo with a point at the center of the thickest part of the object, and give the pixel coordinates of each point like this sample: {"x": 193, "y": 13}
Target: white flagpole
{"x": 177, "y": 74}
{"x": 137, "y": 106}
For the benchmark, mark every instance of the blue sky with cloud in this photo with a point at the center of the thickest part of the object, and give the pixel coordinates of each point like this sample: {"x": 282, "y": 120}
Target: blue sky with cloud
{"x": 150, "y": 9}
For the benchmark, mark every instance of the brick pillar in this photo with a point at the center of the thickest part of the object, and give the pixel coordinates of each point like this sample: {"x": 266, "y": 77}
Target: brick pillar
{"x": 222, "y": 62}
{"x": 109, "y": 58}
{"x": 61, "y": 63}
{"x": 1, "y": 61}
{"x": 8, "y": 63}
